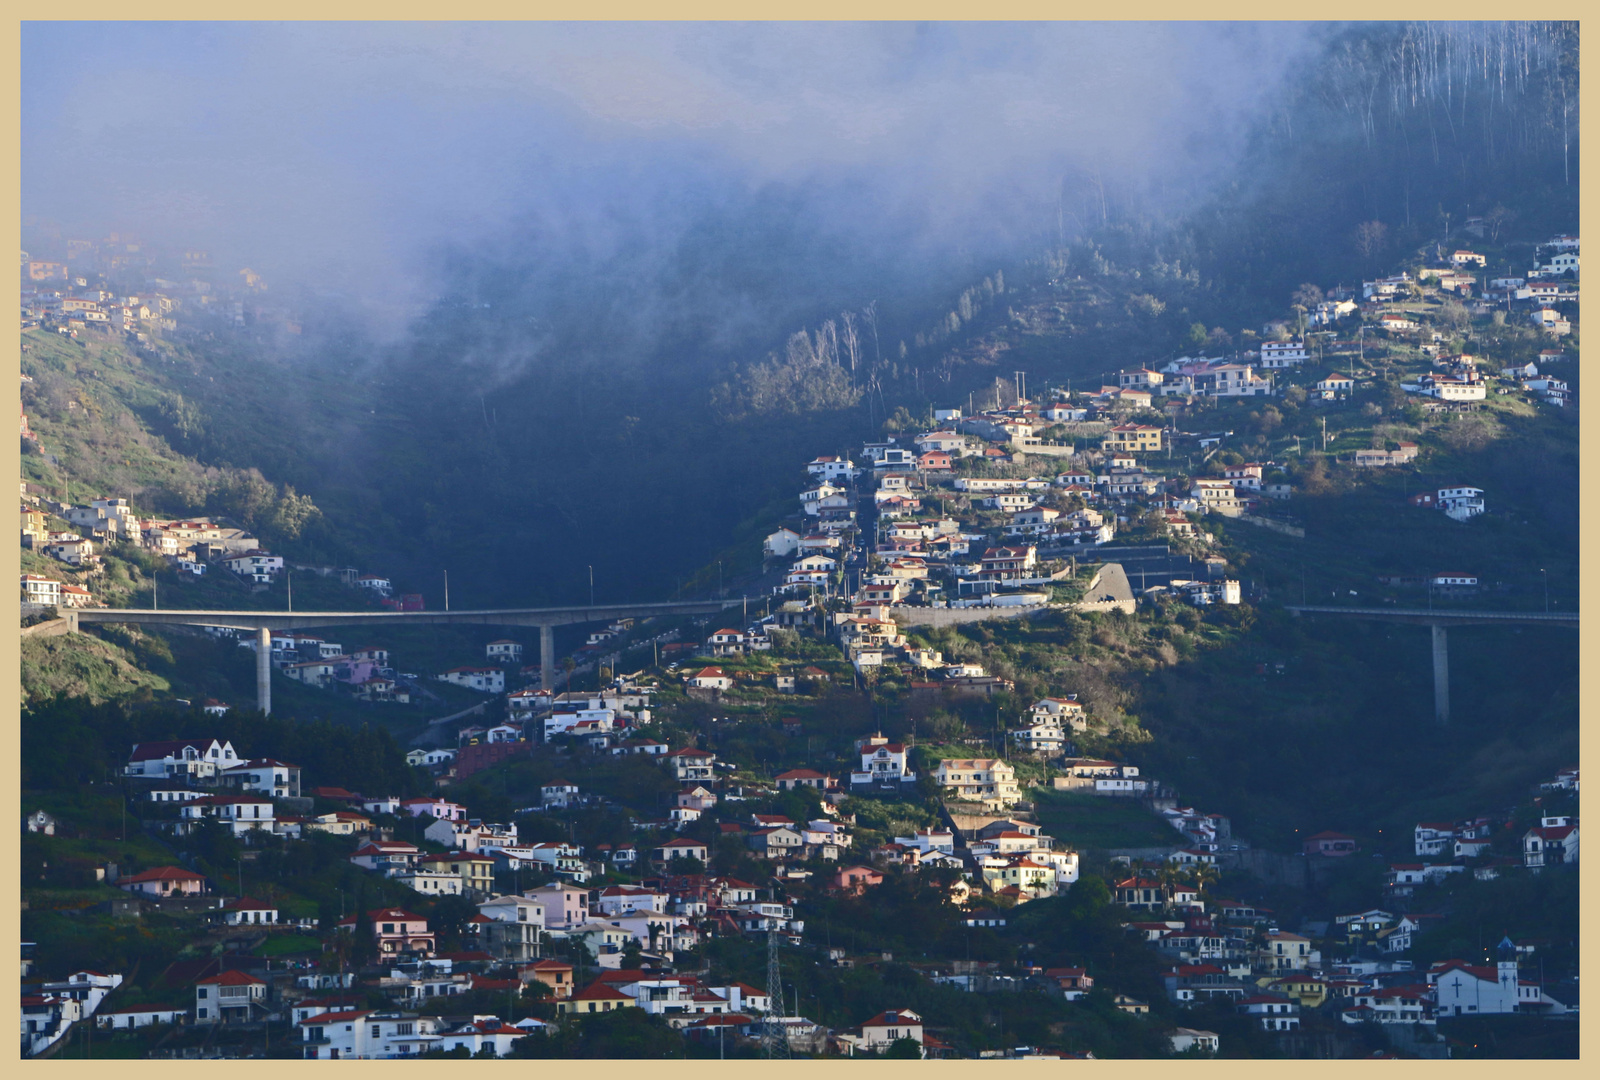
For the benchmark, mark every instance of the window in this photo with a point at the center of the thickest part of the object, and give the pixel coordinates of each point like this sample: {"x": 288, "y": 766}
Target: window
{"x": 376, "y": 1031}
{"x": 201, "y": 1012}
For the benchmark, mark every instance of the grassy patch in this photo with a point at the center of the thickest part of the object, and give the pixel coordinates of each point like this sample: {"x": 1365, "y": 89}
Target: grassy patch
{"x": 289, "y": 945}
{"x": 1090, "y": 821}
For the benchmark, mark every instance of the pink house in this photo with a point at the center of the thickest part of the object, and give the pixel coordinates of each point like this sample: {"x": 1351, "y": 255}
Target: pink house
{"x": 855, "y": 879}
{"x": 397, "y": 931}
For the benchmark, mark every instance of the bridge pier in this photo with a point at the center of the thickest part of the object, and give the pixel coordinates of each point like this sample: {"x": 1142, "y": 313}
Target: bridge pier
{"x": 1441, "y": 675}
{"x": 547, "y": 658}
{"x": 264, "y": 670}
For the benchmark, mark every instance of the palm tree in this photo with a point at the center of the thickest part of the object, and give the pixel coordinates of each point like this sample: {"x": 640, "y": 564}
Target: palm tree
{"x": 1169, "y": 877}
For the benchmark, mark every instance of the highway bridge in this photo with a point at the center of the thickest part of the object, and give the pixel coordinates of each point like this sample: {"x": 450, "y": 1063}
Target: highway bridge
{"x": 1438, "y": 621}
{"x": 262, "y": 623}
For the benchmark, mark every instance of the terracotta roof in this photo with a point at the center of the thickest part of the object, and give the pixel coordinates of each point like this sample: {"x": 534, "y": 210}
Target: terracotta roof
{"x": 231, "y": 978}
{"x": 163, "y": 873}
{"x": 893, "y": 1017}
{"x": 599, "y": 991}
{"x": 334, "y": 1017}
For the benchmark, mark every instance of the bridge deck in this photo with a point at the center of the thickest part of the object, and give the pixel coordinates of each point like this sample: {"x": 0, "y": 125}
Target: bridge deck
{"x": 1440, "y": 617}
{"x": 299, "y": 620}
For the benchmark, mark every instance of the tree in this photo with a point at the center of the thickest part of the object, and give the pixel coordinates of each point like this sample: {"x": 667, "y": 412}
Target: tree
{"x": 364, "y": 939}
{"x": 1370, "y": 237}
{"x": 1308, "y": 295}
{"x": 904, "y": 1048}
{"x": 1497, "y": 219}
{"x": 849, "y": 338}
{"x": 1197, "y": 333}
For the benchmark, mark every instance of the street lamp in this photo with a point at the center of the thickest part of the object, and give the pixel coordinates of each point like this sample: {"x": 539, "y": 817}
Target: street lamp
{"x": 1546, "y": 579}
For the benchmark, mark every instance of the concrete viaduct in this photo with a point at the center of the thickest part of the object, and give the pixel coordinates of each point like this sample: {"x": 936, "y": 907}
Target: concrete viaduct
{"x": 264, "y": 622}
{"x": 1439, "y": 620}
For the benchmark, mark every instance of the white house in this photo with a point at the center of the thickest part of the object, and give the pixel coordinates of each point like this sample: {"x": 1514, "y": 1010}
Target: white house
{"x": 265, "y": 776}
{"x": 1184, "y": 1039}
{"x": 711, "y": 678}
{"x": 138, "y": 1016}
{"x": 41, "y": 590}
{"x": 1040, "y": 737}
{"x": 1553, "y": 842}
{"x": 505, "y": 651}
{"x": 385, "y": 856}
{"x": 248, "y": 911}
{"x": 781, "y": 544}
{"x": 1067, "y": 712}
{"x": 1460, "y": 503}
{"x": 989, "y": 780}
{"x": 487, "y": 680}
{"x": 1282, "y": 354}
{"x": 363, "y": 1034}
{"x": 481, "y": 1035}
{"x": 199, "y": 759}
{"x": 1335, "y": 385}
{"x": 888, "y": 1028}
{"x": 882, "y": 761}
{"x": 241, "y": 813}
{"x": 1272, "y": 1012}
{"x": 231, "y": 995}
{"x": 258, "y": 566}
{"x": 828, "y": 469}
{"x": 441, "y": 809}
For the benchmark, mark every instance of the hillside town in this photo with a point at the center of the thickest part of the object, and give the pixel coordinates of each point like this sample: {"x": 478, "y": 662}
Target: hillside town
{"x": 707, "y": 799}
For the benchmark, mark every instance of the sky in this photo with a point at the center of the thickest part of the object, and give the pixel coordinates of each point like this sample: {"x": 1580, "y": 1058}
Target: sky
{"x": 354, "y": 156}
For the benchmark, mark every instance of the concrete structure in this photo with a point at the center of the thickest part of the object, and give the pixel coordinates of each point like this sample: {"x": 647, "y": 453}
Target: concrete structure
{"x": 264, "y": 622}
{"x": 1437, "y": 621}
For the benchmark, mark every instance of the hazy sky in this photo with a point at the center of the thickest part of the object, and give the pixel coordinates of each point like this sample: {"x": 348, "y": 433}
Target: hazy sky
{"x": 348, "y": 152}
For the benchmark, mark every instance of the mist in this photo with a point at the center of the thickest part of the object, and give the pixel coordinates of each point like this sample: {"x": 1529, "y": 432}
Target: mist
{"x": 384, "y": 162}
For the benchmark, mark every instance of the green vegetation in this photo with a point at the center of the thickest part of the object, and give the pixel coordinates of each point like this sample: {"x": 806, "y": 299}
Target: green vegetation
{"x": 1094, "y": 822}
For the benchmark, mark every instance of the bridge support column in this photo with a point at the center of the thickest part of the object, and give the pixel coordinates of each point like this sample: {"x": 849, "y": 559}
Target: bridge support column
{"x": 1441, "y": 675}
{"x": 72, "y": 621}
{"x": 547, "y": 658}
{"x": 264, "y": 670}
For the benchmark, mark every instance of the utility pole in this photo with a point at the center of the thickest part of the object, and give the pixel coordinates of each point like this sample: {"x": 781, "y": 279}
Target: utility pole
{"x": 447, "y": 590}
{"x": 591, "y": 586}
{"x": 288, "y": 579}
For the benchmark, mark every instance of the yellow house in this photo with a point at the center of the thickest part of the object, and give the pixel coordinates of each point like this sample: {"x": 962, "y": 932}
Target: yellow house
{"x": 476, "y": 871}
{"x": 1032, "y": 878}
{"x": 1132, "y": 437}
{"x": 989, "y": 780}
{"x": 1308, "y": 991}
{"x": 597, "y": 997}
{"x": 339, "y": 823}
